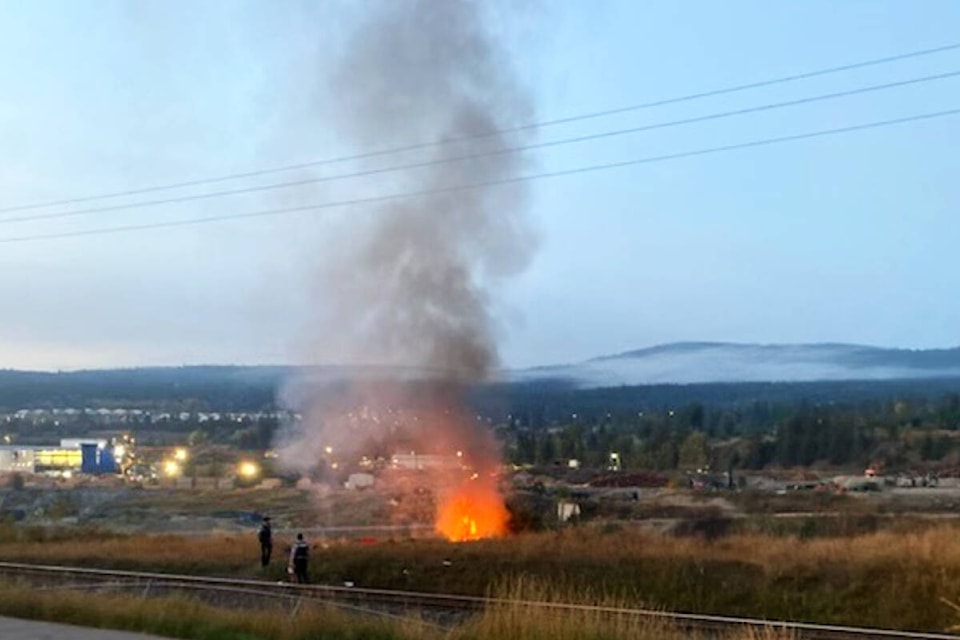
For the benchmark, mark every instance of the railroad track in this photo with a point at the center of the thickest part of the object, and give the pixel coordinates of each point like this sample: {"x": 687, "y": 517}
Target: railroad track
{"x": 395, "y": 603}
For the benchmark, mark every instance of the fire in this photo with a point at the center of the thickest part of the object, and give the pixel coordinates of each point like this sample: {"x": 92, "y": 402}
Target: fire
{"x": 473, "y": 511}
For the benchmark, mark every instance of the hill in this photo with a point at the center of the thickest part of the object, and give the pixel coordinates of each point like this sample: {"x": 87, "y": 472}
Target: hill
{"x": 720, "y": 362}
{"x": 672, "y": 374}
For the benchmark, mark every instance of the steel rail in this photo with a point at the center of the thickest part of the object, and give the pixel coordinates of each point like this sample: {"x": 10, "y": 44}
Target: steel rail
{"x": 175, "y": 582}
{"x": 412, "y": 599}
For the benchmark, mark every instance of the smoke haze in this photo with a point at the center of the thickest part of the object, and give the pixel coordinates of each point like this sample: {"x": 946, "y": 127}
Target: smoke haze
{"x": 409, "y": 283}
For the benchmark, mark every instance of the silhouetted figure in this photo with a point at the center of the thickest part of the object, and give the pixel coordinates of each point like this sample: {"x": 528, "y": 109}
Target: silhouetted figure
{"x": 299, "y": 556}
{"x": 265, "y": 535}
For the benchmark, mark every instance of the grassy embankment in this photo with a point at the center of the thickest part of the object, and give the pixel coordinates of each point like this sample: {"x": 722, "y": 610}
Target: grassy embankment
{"x": 888, "y": 579}
{"x": 184, "y": 618}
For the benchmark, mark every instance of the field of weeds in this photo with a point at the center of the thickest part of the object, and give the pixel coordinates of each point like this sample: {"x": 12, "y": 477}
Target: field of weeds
{"x": 179, "y": 617}
{"x": 890, "y": 579}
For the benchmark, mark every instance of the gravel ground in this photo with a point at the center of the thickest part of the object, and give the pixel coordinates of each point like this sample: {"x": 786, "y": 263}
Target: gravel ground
{"x": 15, "y": 629}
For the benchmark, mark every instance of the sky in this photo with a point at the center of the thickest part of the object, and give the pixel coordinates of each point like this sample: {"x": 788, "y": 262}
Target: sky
{"x": 844, "y": 238}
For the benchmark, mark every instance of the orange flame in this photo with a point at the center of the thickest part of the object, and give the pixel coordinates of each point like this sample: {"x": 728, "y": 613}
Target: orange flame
{"x": 473, "y": 511}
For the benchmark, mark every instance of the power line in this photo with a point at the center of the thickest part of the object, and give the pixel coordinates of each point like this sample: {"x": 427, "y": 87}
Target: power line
{"x": 490, "y": 183}
{"x": 474, "y": 156}
{"x": 524, "y": 127}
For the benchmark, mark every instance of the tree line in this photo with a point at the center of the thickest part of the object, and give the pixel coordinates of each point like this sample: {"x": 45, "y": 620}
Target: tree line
{"x": 894, "y": 432}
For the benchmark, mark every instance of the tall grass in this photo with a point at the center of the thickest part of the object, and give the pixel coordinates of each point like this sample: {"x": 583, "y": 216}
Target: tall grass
{"x": 602, "y": 617}
{"x": 194, "y": 554}
{"x": 178, "y": 617}
{"x": 890, "y": 579}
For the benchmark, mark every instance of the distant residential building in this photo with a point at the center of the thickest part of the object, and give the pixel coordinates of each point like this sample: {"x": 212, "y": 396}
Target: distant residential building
{"x": 17, "y": 460}
{"x": 419, "y": 461}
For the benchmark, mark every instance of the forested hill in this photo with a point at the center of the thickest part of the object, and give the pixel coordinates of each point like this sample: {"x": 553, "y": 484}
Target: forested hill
{"x": 255, "y": 388}
{"x": 247, "y": 388}
{"x": 708, "y": 362}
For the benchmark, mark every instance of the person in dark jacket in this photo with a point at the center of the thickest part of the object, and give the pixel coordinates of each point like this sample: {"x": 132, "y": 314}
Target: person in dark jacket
{"x": 265, "y": 536}
{"x": 299, "y": 556}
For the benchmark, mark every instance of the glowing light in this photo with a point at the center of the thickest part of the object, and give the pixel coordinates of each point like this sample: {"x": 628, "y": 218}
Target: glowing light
{"x": 180, "y": 454}
{"x": 171, "y": 468}
{"x": 328, "y": 449}
{"x": 119, "y": 451}
{"x": 59, "y": 458}
{"x": 248, "y": 469}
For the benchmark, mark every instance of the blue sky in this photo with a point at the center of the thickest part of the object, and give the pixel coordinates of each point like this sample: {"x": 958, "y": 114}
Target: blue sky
{"x": 848, "y": 238}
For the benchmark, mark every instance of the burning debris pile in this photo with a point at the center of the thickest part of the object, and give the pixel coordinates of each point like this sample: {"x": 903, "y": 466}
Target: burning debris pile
{"x": 473, "y": 510}
{"x": 408, "y": 283}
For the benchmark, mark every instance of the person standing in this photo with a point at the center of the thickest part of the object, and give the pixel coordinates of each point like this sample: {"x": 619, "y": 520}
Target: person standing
{"x": 265, "y": 535}
{"x": 299, "y": 556}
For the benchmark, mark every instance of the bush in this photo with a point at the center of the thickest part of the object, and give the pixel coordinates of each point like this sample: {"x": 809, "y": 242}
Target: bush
{"x": 709, "y": 527}
{"x": 529, "y": 512}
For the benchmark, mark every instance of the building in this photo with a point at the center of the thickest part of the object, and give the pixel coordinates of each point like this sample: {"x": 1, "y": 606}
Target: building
{"x": 73, "y": 455}
{"x": 17, "y": 460}
{"x": 419, "y": 461}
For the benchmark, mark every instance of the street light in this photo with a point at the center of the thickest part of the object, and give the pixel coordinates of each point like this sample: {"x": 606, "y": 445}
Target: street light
{"x": 248, "y": 469}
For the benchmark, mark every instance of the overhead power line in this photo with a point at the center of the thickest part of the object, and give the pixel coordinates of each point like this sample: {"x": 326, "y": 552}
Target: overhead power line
{"x": 523, "y": 127}
{"x": 478, "y": 155}
{"x": 490, "y": 183}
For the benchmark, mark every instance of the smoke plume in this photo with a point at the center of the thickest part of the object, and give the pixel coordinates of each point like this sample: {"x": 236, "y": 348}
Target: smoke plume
{"x": 409, "y": 283}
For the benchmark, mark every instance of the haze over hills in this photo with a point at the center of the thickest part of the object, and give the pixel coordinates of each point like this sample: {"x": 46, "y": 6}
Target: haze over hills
{"x": 713, "y": 362}
{"x": 672, "y": 363}
{"x": 692, "y": 369}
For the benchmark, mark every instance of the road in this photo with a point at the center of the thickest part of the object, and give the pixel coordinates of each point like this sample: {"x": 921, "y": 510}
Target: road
{"x": 14, "y": 629}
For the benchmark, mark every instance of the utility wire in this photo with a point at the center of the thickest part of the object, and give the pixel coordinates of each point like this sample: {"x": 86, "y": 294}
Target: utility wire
{"x": 524, "y": 127}
{"x": 490, "y": 183}
{"x": 484, "y": 154}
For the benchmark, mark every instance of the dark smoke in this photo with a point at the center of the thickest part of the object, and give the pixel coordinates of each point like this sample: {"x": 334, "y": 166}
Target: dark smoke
{"x": 412, "y": 287}
{"x": 409, "y": 283}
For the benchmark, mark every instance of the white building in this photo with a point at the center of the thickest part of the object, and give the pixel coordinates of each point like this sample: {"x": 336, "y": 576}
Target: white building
{"x": 418, "y": 461}
{"x": 15, "y": 459}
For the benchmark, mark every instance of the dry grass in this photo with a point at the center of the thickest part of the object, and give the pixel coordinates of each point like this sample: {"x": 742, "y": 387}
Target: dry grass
{"x": 168, "y": 552}
{"x": 177, "y": 617}
{"x": 885, "y": 579}
{"x": 936, "y": 548}
{"x": 598, "y": 619}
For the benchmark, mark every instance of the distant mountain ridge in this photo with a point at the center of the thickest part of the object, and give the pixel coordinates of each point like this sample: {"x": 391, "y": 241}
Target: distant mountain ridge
{"x": 727, "y": 362}
{"x": 681, "y": 363}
